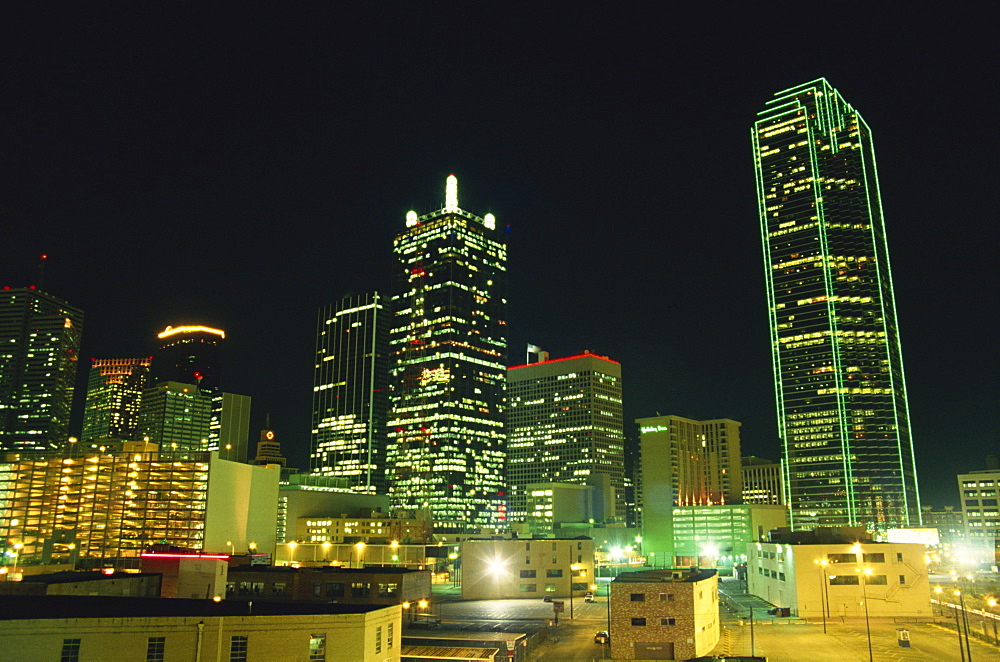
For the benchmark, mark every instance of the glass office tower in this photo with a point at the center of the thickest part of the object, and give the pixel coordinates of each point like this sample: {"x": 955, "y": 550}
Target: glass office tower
{"x": 350, "y": 391}
{"x": 841, "y": 397}
{"x": 448, "y": 344}
{"x": 39, "y": 350}
{"x": 114, "y": 396}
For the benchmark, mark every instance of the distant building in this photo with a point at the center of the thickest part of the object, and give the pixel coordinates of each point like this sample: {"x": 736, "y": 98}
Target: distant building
{"x": 370, "y": 527}
{"x": 114, "y": 505}
{"x": 564, "y": 424}
{"x": 189, "y": 355}
{"x": 979, "y": 491}
{"x": 843, "y": 417}
{"x": 809, "y": 579}
{"x": 448, "y": 366}
{"x": 359, "y": 555}
{"x": 762, "y": 481}
{"x": 114, "y": 396}
{"x": 550, "y": 505}
{"x": 39, "y": 348}
{"x": 176, "y": 416}
{"x": 685, "y": 463}
{"x": 949, "y": 523}
{"x": 303, "y": 496}
{"x": 664, "y": 614}
{"x": 498, "y": 569}
{"x": 720, "y": 535}
{"x": 351, "y": 391}
{"x": 113, "y": 629}
{"x": 269, "y": 449}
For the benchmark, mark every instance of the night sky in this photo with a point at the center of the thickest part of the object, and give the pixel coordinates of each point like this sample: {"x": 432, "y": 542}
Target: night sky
{"x": 241, "y": 170}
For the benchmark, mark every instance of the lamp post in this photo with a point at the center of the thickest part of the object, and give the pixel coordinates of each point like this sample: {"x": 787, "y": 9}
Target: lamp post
{"x": 72, "y": 554}
{"x": 571, "y": 587}
{"x": 864, "y": 595}
{"x": 958, "y": 628}
{"x": 17, "y": 555}
{"x": 454, "y": 569}
{"x": 822, "y": 563}
{"x": 965, "y": 621}
{"x": 993, "y": 603}
{"x": 291, "y": 551}
{"x": 360, "y": 548}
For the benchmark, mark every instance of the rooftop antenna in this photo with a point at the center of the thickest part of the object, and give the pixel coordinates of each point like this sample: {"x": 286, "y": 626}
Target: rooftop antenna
{"x": 451, "y": 193}
{"x": 41, "y": 270}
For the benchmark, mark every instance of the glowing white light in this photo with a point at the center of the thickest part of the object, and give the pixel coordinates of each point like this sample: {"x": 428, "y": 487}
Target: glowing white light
{"x": 451, "y": 194}
{"x": 411, "y": 219}
{"x": 491, "y": 221}
{"x": 496, "y": 566}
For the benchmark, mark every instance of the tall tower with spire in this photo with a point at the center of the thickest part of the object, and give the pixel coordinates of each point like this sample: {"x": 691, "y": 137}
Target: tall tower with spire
{"x": 448, "y": 362}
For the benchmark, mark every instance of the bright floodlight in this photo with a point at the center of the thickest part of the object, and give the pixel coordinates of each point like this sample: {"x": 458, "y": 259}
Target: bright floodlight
{"x": 496, "y": 566}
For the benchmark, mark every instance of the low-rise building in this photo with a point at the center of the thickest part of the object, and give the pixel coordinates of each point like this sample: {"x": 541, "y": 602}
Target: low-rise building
{"x": 836, "y": 578}
{"x": 664, "y": 614}
{"x": 720, "y": 535}
{"x": 498, "y": 569}
{"x": 119, "y": 629}
{"x": 371, "y": 585}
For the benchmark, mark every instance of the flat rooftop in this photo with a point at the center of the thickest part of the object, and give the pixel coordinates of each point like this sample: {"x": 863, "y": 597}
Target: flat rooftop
{"x": 85, "y": 606}
{"x": 672, "y": 576}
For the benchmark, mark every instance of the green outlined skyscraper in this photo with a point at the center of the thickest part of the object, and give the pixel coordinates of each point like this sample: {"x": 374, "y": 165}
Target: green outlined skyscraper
{"x": 841, "y": 397}
{"x": 448, "y": 367}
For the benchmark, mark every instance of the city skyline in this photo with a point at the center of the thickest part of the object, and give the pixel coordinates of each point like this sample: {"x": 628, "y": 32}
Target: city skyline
{"x": 623, "y": 172}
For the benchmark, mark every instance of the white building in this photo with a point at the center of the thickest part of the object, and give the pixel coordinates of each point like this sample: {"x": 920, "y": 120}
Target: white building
{"x": 837, "y": 578}
{"x": 499, "y": 569}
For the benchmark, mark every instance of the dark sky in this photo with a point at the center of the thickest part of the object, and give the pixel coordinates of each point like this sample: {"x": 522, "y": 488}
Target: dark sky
{"x": 242, "y": 169}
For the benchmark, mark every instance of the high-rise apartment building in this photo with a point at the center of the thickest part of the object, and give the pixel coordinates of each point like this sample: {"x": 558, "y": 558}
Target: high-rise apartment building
{"x": 762, "y": 481}
{"x": 448, "y": 343}
{"x": 176, "y": 416}
{"x": 189, "y": 355}
{"x": 114, "y": 395}
{"x": 841, "y": 397}
{"x": 564, "y": 424}
{"x": 351, "y": 391}
{"x": 39, "y": 347}
{"x": 685, "y": 463}
{"x": 980, "y": 494}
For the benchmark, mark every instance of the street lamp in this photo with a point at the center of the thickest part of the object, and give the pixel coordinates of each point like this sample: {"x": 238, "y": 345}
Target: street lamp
{"x": 17, "y": 555}
{"x": 958, "y": 627}
{"x": 71, "y": 547}
{"x": 992, "y": 604}
{"x": 572, "y": 567}
{"x": 291, "y": 551}
{"x": 823, "y": 589}
{"x": 864, "y": 593}
{"x": 454, "y": 569}
{"x": 360, "y": 547}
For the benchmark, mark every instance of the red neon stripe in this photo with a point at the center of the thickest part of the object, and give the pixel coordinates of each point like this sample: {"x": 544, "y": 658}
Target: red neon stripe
{"x": 568, "y": 358}
{"x": 184, "y": 556}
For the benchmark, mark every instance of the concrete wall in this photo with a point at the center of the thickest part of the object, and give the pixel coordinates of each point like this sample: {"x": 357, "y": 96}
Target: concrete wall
{"x": 242, "y": 507}
{"x": 348, "y": 637}
{"x": 493, "y": 569}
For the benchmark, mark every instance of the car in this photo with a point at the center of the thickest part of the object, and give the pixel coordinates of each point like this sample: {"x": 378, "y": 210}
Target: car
{"x": 547, "y": 598}
{"x": 589, "y": 597}
{"x": 602, "y": 637}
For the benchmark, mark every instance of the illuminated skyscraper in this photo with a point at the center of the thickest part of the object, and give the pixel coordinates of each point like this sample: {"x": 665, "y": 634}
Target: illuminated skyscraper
{"x": 564, "y": 425}
{"x": 176, "y": 416}
{"x": 189, "y": 355}
{"x": 448, "y": 341}
{"x": 114, "y": 394}
{"x": 39, "y": 343}
{"x": 842, "y": 412}
{"x": 350, "y": 391}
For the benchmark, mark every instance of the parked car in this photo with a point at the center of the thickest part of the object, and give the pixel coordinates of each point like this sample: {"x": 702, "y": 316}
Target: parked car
{"x": 602, "y": 637}
{"x": 589, "y": 597}
{"x": 547, "y": 598}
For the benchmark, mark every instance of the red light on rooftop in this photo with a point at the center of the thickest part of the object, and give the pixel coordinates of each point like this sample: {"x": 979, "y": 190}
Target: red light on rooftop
{"x": 43, "y": 256}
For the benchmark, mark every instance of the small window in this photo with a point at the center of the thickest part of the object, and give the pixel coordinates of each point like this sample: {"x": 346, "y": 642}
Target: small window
{"x": 638, "y": 597}
{"x": 278, "y": 589}
{"x": 527, "y": 560}
{"x": 317, "y": 589}
{"x": 528, "y": 574}
{"x": 529, "y": 588}
{"x": 899, "y": 557}
{"x": 781, "y": 576}
{"x": 155, "y": 649}
{"x": 874, "y": 558}
{"x": 902, "y": 579}
{"x": 317, "y": 647}
{"x": 579, "y": 545}
{"x": 842, "y": 558}
{"x": 554, "y": 573}
{"x": 238, "y": 648}
{"x": 527, "y": 546}
{"x": 668, "y": 621}
{"x": 876, "y": 580}
{"x": 555, "y": 560}
{"x": 378, "y": 639}
{"x": 553, "y": 547}
{"x": 70, "y": 650}
{"x": 638, "y": 621}
{"x": 388, "y": 637}
{"x": 550, "y": 588}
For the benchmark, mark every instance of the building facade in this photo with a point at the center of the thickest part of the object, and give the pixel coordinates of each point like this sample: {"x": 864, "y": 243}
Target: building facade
{"x": 664, "y": 614}
{"x": 112, "y": 505}
{"x": 717, "y": 536}
{"x": 980, "y": 491}
{"x": 39, "y": 353}
{"x": 350, "y": 391}
{"x": 762, "y": 481}
{"x": 176, "y": 416}
{"x": 229, "y": 426}
{"x": 501, "y": 569}
{"x": 564, "y": 424}
{"x": 841, "y": 397}
{"x": 448, "y": 364}
{"x": 190, "y": 354}
{"x": 114, "y": 394}
{"x": 837, "y": 578}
